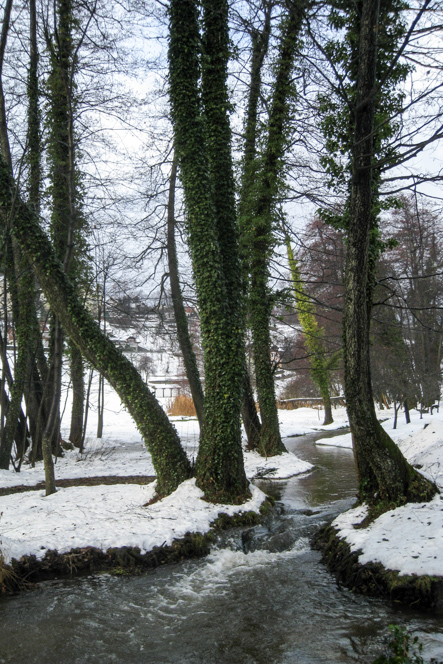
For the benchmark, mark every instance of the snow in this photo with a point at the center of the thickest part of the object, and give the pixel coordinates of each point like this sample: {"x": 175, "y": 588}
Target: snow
{"x": 305, "y": 420}
{"x": 277, "y": 467}
{"x": 408, "y": 539}
{"x": 106, "y": 517}
{"x": 386, "y": 418}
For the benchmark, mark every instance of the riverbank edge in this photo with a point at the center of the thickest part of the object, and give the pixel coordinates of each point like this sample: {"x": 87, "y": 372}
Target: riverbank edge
{"x": 26, "y": 573}
{"x": 424, "y": 592}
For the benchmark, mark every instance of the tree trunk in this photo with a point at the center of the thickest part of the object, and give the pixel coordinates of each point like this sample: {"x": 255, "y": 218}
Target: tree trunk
{"x": 383, "y": 472}
{"x": 314, "y": 335}
{"x": 328, "y": 411}
{"x": 250, "y": 417}
{"x": 407, "y": 416}
{"x": 78, "y": 395}
{"x": 260, "y": 43}
{"x": 259, "y": 229}
{"x": 23, "y": 367}
{"x": 100, "y": 405}
{"x": 168, "y": 456}
{"x": 203, "y": 148}
{"x": 181, "y": 320}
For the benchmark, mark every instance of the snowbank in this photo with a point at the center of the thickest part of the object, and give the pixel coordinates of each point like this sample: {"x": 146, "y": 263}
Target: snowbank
{"x": 408, "y": 539}
{"x": 105, "y": 517}
{"x": 279, "y": 467}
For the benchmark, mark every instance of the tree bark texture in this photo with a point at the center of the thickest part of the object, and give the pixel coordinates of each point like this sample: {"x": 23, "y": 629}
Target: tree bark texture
{"x": 202, "y": 140}
{"x": 383, "y": 472}
{"x": 181, "y": 320}
{"x": 258, "y": 227}
{"x": 78, "y": 395}
{"x": 260, "y": 43}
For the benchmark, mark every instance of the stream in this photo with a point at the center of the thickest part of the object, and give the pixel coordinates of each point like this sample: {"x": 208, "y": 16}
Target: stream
{"x": 261, "y": 597}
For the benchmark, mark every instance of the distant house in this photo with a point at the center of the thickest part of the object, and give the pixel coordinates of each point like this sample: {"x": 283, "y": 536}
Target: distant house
{"x": 165, "y": 389}
{"x": 131, "y": 345}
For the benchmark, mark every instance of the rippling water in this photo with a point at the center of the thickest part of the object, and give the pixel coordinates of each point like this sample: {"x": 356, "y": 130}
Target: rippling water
{"x": 275, "y": 604}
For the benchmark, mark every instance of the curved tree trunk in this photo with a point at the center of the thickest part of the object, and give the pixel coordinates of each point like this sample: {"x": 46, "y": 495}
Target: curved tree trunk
{"x": 161, "y": 439}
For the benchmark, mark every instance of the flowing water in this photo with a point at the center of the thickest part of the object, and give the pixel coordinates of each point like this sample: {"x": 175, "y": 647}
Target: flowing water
{"x": 261, "y": 597}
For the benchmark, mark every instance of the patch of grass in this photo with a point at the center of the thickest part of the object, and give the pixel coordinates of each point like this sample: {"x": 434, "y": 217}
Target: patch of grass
{"x": 182, "y": 405}
{"x": 241, "y": 519}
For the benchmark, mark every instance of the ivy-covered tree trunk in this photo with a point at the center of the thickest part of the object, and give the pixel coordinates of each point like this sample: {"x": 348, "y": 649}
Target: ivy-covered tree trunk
{"x": 62, "y": 185}
{"x": 202, "y": 139}
{"x": 260, "y": 43}
{"x": 384, "y": 474}
{"x": 181, "y": 320}
{"x": 257, "y": 223}
{"x": 20, "y": 277}
{"x": 313, "y": 335}
{"x": 250, "y": 418}
{"x": 161, "y": 439}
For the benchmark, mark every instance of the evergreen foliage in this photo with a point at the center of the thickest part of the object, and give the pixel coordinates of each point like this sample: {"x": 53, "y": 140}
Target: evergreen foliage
{"x": 161, "y": 439}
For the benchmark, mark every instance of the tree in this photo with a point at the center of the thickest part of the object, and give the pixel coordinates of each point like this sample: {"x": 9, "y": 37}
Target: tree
{"x": 384, "y": 474}
{"x": 30, "y": 365}
{"x": 181, "y": 320}
{"x": 169, "y": 458}
{"x": 415, "y": 283}
{"x": 314, "y": 334}
{"x": 203, "y": 144}
{"x": 260, "y": 189}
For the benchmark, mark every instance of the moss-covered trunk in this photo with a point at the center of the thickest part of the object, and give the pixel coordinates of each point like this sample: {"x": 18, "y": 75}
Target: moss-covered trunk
{"x": 202, "y": 139}
{"x": 250, "y": 417}
{"x": 181, "y": 320}
{"x": 169, "y": 458}
{"x": 328, "y": 419}
{"x": 257, "y": 223}
{"x": 383, "y": 472}
{"x": 314, "y": 335}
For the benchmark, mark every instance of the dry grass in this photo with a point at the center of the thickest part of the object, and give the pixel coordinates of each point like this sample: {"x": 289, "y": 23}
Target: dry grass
{"x": 182, "y": 405}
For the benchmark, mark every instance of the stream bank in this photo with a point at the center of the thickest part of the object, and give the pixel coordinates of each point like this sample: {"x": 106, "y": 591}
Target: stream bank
{"x": 275, "y": 603}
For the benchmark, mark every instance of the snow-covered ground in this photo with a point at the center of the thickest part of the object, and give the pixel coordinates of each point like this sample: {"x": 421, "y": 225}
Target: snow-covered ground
{"x": 121, "y": 451}
{"x": 117, "y": 515}
{"x": 105, "y": 517}
{"x": 408, "y": 539}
